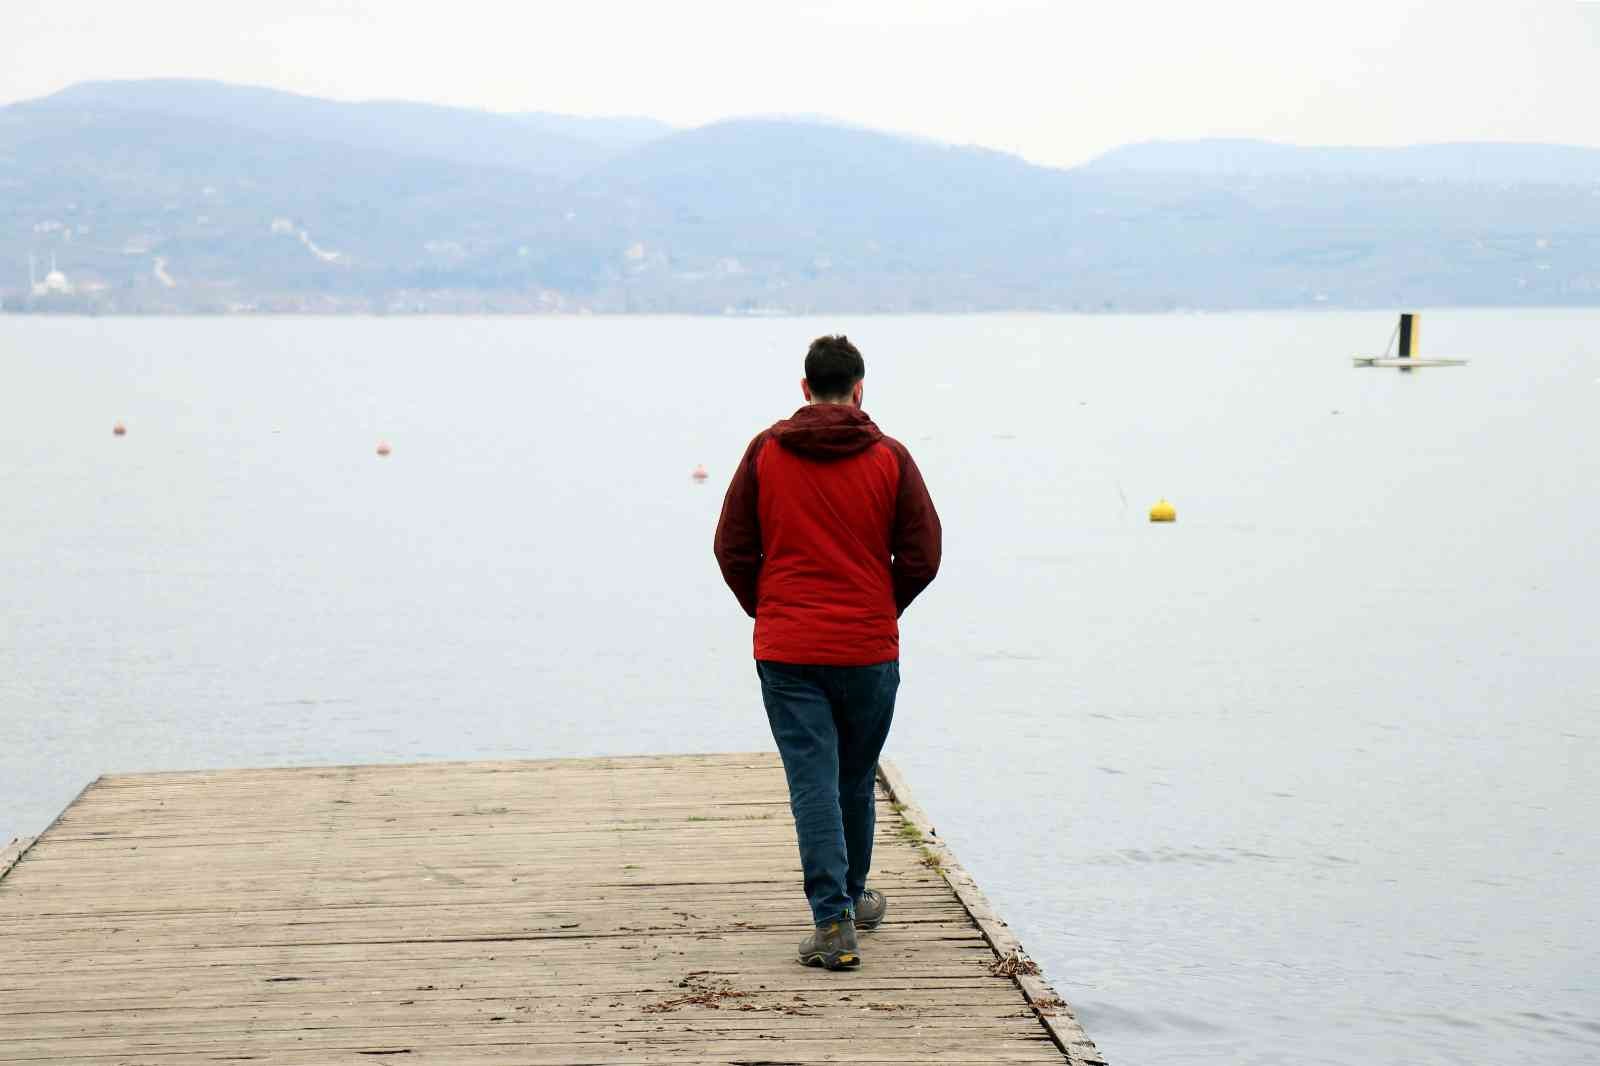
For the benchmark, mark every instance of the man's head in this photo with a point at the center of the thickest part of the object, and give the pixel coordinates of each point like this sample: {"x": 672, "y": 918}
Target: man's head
{"x": 834, "y": 372}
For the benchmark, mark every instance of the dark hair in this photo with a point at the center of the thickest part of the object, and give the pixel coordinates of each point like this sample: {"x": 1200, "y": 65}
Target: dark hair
{"x": 833, "y": 366}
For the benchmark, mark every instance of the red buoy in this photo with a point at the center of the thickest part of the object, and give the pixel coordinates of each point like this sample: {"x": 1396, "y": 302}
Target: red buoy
{"x": 119, "y": 430}
{"x": 383, "y": 447}
{"x": 699, "y": 473}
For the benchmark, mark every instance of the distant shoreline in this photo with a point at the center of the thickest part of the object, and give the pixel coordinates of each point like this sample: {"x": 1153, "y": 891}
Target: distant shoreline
{"x": 1141, "y": 312}
{"x": 183, "y": 197}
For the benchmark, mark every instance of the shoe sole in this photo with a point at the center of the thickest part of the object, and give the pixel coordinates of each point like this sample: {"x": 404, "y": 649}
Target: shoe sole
{"x": 844, "y": 960}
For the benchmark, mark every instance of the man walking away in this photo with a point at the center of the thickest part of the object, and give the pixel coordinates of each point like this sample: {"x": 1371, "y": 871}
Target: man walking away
{"x": 827, "y": 534}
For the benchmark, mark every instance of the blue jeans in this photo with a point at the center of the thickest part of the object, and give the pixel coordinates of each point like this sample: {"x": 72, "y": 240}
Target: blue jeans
{"x": 830, "y": 723}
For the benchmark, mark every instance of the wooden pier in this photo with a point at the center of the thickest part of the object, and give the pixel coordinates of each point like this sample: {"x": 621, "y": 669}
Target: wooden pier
{"x": 597, "y": 911}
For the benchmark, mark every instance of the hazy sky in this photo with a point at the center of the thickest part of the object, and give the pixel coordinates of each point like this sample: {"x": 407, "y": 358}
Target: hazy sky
{"x": 1057, "y": 82}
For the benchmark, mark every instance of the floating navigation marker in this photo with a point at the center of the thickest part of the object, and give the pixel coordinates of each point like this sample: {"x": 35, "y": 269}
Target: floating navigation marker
{"x": 1405, "y": 363}
{"x": 1408, "y": 331}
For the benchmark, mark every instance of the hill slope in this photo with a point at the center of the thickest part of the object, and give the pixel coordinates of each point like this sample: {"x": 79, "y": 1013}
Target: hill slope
{"x": 536, "y": 143}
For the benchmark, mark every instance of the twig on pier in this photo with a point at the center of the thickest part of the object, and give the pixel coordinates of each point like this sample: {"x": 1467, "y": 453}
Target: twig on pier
{"x": 1012, "y": 963}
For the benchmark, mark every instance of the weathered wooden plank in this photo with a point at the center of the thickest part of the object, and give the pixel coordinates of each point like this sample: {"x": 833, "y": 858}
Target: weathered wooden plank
{"x": 14, "y": 852}
{"x": 514, "y": 1052}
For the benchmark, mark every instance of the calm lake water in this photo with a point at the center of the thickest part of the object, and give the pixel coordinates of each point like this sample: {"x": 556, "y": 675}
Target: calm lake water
{"x": 1310, "y": 776}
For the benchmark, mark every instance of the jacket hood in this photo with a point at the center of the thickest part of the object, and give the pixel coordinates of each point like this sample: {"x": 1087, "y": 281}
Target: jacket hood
{"x": 827, "y": 431}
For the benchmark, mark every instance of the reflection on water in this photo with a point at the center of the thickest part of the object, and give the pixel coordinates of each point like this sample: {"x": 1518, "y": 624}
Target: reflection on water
{"x": 1306, "y": 776}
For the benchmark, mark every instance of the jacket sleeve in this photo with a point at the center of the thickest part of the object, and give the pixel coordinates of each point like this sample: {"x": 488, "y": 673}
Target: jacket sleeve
{"x": 738, "y": 541}
{"x": 916, "y": 539}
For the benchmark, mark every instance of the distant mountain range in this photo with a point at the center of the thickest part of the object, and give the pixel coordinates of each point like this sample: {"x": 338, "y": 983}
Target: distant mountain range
{"x": 183, "y": 196}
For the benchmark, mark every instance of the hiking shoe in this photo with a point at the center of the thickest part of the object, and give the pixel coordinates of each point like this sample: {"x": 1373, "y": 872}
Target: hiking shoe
{"x": 832, "y": 945}
{"x": 869, "y": 909}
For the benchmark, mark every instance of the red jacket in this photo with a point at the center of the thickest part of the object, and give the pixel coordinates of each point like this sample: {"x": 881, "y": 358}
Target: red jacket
{"x": 827, "y": 534}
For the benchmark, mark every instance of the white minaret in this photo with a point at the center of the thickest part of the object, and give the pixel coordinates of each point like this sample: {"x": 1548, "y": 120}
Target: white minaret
{"x": 55, "y": 282}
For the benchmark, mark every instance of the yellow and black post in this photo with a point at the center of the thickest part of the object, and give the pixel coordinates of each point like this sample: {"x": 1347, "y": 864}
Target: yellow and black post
{"x": 1408, "y": 335}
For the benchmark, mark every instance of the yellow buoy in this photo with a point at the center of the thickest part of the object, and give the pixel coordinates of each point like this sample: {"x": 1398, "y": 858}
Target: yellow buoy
{"x": 1163, "y": 512}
